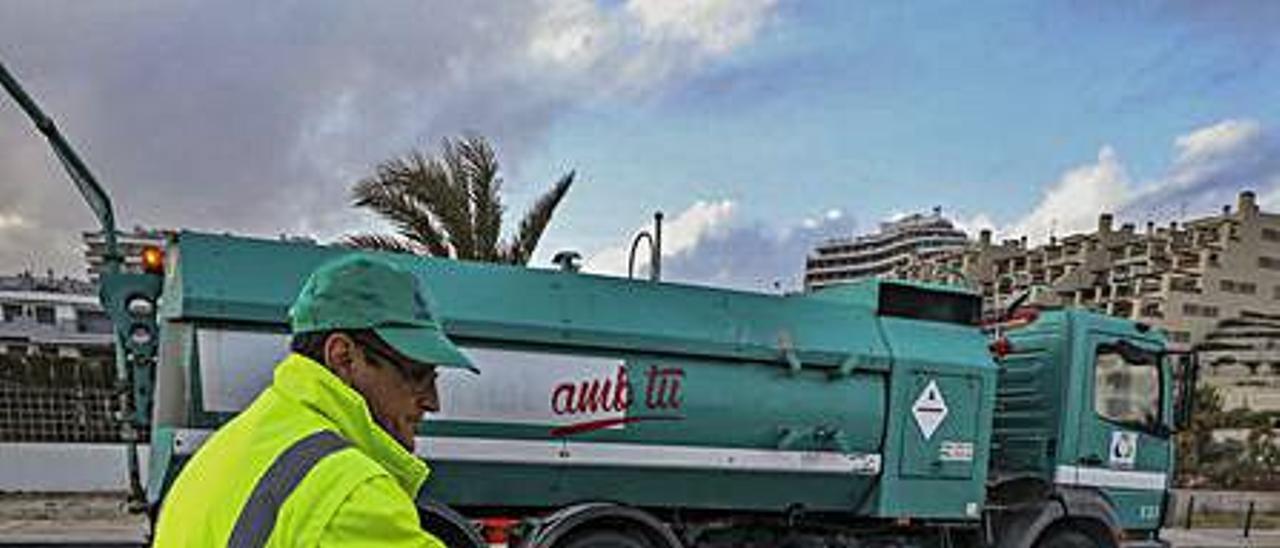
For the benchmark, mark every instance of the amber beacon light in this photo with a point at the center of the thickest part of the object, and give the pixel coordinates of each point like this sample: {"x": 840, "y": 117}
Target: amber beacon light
{"x": 153, "y": 260}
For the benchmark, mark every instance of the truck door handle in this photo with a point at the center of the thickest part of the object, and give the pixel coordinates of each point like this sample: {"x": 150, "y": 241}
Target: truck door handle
{"x": 1091, "y": 460}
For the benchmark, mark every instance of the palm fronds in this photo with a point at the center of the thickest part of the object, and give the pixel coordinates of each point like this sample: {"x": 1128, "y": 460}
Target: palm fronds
{"x": 451, "y": 205}
{"x": 522, "y": 245}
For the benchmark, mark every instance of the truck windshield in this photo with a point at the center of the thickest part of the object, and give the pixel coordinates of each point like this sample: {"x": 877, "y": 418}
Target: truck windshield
{"x": 1127, "y": 385}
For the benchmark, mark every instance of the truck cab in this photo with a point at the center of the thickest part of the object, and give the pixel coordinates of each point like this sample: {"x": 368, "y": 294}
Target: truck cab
{"x": 1085, "y": 414}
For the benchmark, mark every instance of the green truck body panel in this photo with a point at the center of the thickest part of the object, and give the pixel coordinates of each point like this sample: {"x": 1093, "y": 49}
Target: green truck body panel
{"x": 242, "y": 280}
{"x": 858, "y": 376}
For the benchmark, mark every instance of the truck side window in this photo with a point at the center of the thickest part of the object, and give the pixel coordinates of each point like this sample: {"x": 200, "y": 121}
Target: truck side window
{"x": 1127, "y": 387}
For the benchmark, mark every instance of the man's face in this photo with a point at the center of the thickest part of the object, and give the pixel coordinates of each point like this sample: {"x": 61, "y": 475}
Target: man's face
{"x": 397, "y": 393}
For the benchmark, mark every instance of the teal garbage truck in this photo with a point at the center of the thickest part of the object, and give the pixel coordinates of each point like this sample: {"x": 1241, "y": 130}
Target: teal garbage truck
{"x": 613, "y": 412}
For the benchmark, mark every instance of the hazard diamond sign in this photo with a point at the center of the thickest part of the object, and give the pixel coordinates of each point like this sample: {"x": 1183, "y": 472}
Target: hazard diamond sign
{"x": 930, "y": 409}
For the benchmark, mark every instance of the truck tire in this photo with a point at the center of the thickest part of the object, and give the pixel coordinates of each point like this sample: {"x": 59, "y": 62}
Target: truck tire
{"x": 447, "y": 525}
{"x": 1067, "y": 538}
{"x": 605, "y": 539}
{"x": 601, "y": 525}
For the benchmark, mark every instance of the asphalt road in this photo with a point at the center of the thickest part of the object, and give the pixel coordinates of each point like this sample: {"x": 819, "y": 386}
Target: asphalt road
{"x": 1220, "y": 538}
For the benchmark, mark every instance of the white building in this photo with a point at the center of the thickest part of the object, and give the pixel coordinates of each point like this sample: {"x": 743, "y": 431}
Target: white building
{"x": 52, "y": 316}
{"x": 897, "y": 245}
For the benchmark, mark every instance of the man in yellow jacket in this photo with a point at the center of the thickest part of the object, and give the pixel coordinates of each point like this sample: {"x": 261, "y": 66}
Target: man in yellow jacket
{"x": 324, "y": 456}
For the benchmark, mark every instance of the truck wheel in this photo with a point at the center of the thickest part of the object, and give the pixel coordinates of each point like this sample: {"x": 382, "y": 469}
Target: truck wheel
{"x": 447, "y": 525}
{"x": 601, "y": 525}
{"x": 605, "y": 539}
{"x": 1066, "y": 538}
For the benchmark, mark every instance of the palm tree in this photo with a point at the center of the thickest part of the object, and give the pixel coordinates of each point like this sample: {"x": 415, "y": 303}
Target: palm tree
{"x": 451, "y": 205}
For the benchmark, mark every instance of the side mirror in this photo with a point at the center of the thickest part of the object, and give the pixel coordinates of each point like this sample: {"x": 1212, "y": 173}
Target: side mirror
{"x": 1185, "y": 378}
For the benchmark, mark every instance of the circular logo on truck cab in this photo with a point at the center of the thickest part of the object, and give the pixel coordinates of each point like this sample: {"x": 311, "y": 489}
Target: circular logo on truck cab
{"x": 1124, "y": 449}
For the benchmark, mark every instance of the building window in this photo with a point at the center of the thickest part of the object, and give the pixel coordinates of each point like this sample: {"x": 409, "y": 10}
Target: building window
{"x": 1205, "y": 311}
{"x": 44, "y": 314}
{"x": 1180, "y": 336}
{"x": 14, "y": 311}
{"x": 1183, "y": 285}
{"x": 1243, "y": 288}
{"x": 1127, "y": 385}
{"x": 92, "y": 321}
{"x": 1269, "y": 263}
{"x": 1271, "y": 235}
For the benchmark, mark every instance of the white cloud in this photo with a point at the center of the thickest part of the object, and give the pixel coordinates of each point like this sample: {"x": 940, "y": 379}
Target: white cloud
{"x": 679, "y": 235}
{"x": 1072, "y": 203}
{"x": 1230, "y": 152}
{"x": 1271, "y": 200}
{"x": 1208, "y": 167}
{"x": 572, "y": 34}
{"x": 1220, "y": 140}
{"x": 755, "y": 256}
{"x": 708, "y": 244}
{"x": 973, "y": 225}
{"x": 828, "y": 216}
{"x": 601, "y": 50}
{"x": 713, "y": 26}
{"x": 11, "y": 221}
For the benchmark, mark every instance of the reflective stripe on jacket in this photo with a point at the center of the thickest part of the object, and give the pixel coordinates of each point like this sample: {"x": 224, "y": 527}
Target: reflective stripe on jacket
{"x": 360, "y": 495}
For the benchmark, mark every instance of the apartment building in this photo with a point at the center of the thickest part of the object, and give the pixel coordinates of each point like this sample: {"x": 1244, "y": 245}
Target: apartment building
{"x": 1212, "y": 283}
{"x": 52, "y": 316}
{"x": 897, "y": 244}
{"x": 57, "y": 363}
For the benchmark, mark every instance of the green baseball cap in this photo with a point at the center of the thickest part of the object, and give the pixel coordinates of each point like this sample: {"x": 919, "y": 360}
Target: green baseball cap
{"x": 363, "y": 291}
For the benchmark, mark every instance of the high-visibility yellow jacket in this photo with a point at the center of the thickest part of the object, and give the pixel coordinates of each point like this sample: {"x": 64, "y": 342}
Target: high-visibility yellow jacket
{"x": 358, "y": 496}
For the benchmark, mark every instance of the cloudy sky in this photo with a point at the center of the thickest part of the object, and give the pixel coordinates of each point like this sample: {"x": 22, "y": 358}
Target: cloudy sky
{"x": 759, "y": 126}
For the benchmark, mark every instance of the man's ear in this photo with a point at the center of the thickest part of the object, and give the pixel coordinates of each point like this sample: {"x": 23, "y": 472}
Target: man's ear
{"x": 339, "y": 355}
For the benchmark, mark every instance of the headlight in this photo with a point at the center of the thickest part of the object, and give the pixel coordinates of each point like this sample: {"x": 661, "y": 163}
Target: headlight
{"x": 140, "y": 307}
{"x": 140, "y": 335}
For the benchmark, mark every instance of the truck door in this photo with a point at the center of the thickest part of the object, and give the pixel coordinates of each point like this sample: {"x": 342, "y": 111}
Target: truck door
{"x": 1123, "y": 446}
